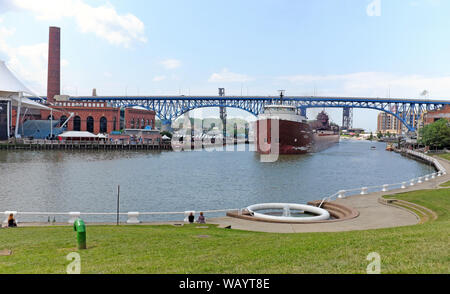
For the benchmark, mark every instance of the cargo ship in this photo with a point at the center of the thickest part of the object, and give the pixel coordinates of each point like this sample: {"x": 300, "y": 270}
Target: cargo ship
{"x": 296, "y": 135}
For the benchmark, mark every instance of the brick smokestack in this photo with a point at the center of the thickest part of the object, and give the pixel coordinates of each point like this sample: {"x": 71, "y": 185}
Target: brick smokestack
{"x": 54, "y": 64}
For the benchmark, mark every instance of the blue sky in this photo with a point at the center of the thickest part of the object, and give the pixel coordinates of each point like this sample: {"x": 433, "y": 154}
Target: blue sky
{"x": 254, "y": 47}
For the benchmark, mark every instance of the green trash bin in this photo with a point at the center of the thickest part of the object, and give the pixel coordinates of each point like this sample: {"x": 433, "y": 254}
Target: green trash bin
{"x": 80, "y": 228}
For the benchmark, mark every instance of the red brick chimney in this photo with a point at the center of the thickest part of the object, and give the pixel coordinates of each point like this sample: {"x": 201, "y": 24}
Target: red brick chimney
{"x": 54, "y": 65}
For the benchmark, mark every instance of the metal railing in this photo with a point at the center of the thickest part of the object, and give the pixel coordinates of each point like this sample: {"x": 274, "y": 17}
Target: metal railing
{"x": 132, "y": 216}
{"x": 386, "y": 187}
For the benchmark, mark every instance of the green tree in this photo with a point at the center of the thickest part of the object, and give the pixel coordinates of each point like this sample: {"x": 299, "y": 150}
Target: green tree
{"x": 379, "y": 135}
{"x": 436, "y": 134}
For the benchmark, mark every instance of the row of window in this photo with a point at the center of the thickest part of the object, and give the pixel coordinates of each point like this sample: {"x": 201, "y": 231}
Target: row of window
{"x": 80, "y": 104}
{"x": 140, "y": 123}
{"x": 89, "y": 123}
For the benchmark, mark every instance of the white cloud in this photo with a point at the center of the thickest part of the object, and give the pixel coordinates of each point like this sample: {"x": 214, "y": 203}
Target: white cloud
{"x": 103, "y": 21}
{"x": 171, "y": 63}
{"x": 225, "y": 76}
{"x": 107, "y": 74}
{"x": 159, "y": 78}
{"x": 376, "y": 84}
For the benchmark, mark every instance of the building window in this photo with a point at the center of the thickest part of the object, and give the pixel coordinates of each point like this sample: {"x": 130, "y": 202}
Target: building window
{"x": 90, "y": 124}
{"x": 103, "y": 125}
{"x": 115, "y": 124}
{"x": 132, "y": 123}
{"x": 76, "y": 123}
{"x": 51, "y": 117}
{"x": 142, "y": 124}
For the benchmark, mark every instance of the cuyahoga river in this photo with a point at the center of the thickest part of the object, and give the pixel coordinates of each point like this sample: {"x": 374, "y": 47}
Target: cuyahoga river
{"x": 63, "y": 181}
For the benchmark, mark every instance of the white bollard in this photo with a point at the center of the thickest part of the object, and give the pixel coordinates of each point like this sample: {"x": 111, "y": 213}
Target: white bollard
{"x": 385, "y": 187}
{"x": 7, "y": 213}
{"x": 412, "y": 182}
{"x": 404, "y": 185}
{"x": 73, "y": 216}
{"x": 427, "y": 178}
{"x": 186, "y": 215}
{"x": 363, "y": 190}
{"x": 341, "y": 194}
{"x": 439, "y": 174}
{"x": 419, "y": 181}
{"x": 133, "y": 217}
{"x": 433, "y": 176}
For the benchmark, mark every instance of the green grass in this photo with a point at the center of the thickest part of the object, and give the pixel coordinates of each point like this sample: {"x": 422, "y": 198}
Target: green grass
{"x": 445, "y": 156}
{"x": 446, "y": 184}
{"x": 421, "y": 248}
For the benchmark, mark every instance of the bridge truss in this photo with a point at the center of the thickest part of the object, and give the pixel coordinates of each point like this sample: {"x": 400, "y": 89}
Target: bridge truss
{"x": 168, "y": 108}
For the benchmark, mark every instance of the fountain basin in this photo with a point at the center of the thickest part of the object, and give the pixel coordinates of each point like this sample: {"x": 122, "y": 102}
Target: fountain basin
{"x": 320, "y": 214}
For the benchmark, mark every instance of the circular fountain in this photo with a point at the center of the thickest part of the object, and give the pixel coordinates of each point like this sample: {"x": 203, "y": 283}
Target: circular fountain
{"x": 288, "y": 214}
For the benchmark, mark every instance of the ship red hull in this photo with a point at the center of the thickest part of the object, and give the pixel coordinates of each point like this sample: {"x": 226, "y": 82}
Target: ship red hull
{"x": 293, "y": 137}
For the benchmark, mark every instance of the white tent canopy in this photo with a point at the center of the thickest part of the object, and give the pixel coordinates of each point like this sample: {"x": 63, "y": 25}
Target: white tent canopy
{"x": 10, "y": 87}
{"x": 77, "y": 134}
{"x": 13, "y": 89}
{"x": 9, "y": 83}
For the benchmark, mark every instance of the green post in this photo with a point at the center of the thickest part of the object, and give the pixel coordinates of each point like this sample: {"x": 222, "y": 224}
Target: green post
{"x": 80, "y": 228}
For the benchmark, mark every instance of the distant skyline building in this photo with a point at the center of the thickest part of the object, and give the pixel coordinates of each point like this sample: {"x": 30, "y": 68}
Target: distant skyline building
{"x": 387, "y": 123}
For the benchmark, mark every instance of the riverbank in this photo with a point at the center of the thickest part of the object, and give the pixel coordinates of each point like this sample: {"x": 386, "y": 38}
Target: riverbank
{"x": 202, "y": 249}
{"x": 205, "y": 249}
{"x": 370, "y": 207}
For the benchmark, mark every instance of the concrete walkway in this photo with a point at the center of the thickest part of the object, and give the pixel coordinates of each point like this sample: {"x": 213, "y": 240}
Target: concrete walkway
{"x": 373, "y": 215}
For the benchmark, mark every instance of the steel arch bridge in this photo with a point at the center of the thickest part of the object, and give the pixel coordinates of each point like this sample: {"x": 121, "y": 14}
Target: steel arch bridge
{"x": 168, "y": 108}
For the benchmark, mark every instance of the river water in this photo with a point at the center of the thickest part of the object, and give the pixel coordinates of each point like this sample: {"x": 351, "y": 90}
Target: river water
{"x": 154, "y": 181}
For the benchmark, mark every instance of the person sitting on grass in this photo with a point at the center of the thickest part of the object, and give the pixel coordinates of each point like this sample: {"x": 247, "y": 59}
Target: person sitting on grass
{"x": 191, "y": 218}
{"x": 201, "y": 219}
{"x": 11, "y": 221}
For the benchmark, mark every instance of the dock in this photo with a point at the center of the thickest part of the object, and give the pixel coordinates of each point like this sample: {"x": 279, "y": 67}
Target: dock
{"x": 82, "y": 145}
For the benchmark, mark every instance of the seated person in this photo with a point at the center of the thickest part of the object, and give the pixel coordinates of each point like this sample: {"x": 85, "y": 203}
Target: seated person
{"x": 11, "y": 221}
{"x": 191, "y": 218}
{"x": 201, "y": 219}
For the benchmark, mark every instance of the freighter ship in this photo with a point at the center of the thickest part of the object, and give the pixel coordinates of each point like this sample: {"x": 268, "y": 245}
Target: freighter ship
{"x": 296, "y": 135}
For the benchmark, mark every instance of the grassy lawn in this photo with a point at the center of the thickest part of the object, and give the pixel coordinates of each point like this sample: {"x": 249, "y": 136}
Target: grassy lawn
{"x": 446, "y": 184}
{"x": 167, "y": 249}
{"x": 445, "y": 156}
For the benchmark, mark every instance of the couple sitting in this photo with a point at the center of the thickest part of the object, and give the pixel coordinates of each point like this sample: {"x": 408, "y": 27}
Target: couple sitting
{"x": 201, "y": 219}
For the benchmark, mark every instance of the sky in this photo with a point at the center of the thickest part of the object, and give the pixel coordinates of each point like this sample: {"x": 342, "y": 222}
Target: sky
{"x": 368, "y": 48}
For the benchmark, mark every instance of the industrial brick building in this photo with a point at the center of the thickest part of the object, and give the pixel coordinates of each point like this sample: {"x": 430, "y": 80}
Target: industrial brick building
{"x": 432, "y": 116}
{"x": 86, "y": 116}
